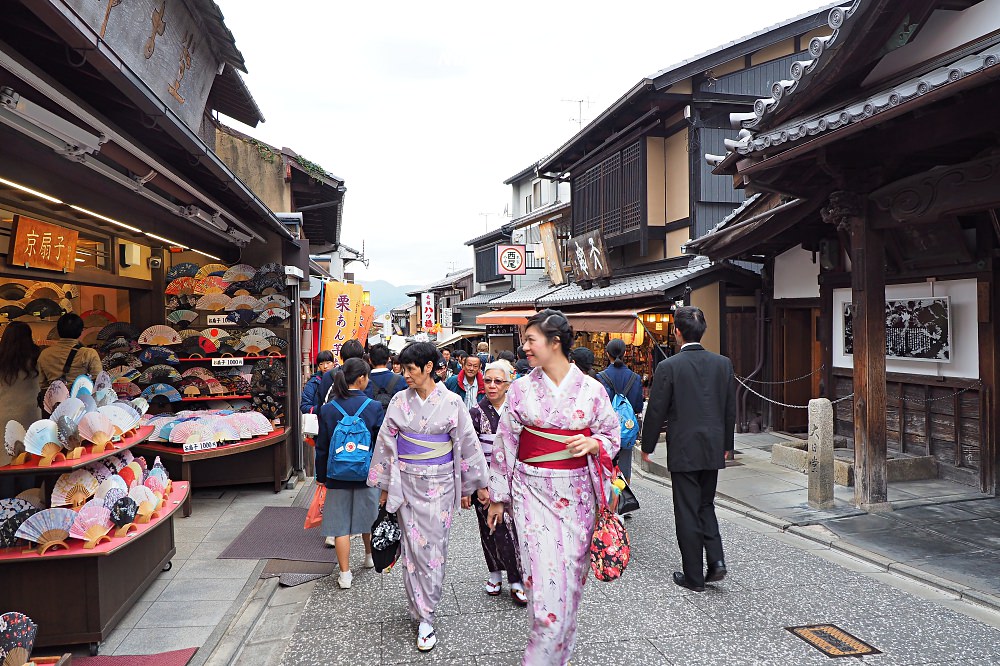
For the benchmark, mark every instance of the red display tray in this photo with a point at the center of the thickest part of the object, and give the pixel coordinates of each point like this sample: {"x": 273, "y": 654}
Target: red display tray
{"x": 175, "y": 451}
{"x": 76, "y": 549}
{"x": 245, "y": 358}
{"x": 69, "y": 465}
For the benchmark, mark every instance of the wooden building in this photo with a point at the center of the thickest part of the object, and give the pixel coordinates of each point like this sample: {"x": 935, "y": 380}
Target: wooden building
{"x": 876, "y": 180}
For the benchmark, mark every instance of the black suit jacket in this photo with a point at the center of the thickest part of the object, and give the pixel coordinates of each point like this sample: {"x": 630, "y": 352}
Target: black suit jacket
{"x": 694, "y": 393}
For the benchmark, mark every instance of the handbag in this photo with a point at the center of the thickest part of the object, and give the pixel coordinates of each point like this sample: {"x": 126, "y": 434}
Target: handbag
{"x": 314, "y": 517}
{"x": 386, "y": 535}
{"x": 627, "y": 501}
{"x": 310, "y": 424}
{"x": 610, "y": 549}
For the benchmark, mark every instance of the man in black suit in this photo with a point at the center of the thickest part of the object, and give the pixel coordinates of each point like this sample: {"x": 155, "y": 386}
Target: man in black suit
{"x": 694, "y": 392}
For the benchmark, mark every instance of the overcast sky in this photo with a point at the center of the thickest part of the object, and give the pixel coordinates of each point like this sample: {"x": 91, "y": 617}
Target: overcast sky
{"x": 426, "y": 108}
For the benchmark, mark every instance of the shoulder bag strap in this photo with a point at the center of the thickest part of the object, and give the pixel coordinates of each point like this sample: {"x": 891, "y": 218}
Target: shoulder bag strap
{"x": 392, "y": 384}
{"x": 70, "y": 358}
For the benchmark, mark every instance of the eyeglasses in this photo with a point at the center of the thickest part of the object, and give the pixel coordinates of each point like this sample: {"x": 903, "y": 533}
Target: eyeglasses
{"x": 498, "y": 382}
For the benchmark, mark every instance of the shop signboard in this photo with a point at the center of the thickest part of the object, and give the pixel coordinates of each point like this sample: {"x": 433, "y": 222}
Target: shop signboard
{"x": 38, "y": 244}
{"x": 553, "y": 262}
{"x": 427, "y": 310}
{"x": 228, "y": 362}
{"x": 163, "y": 43}
{"x": 501, "y": 329}
{"x": 342, "y": 304}
{"x": 589, "y": 258}
{"x": 366, "y": 320}
{"x": 511, "y": 260}
{"x": 220, "y": 320}
{"x": 446, "y": 318}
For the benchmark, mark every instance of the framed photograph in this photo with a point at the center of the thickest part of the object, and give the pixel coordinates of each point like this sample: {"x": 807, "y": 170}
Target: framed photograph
{"x": 916, "y": 329}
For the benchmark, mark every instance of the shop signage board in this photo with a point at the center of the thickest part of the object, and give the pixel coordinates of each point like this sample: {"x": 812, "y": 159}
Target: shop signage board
{"x": 500, "y": 329}
{"x": 342, "y": 303}
{"x": 219, "y": 320}
{"x": 427, "y": 310}
{"x": 366, "y": 320}
{"x": 553, "y": 262}
{"x": 511, "y": 260}
{"x": 589, "y": 258}
{"x": 446, "y": 317}
{"x": 228, "y": 361}
{"x": 38, "y": 244}
{"x": 192, "y": 447}
{"x": 163, "y": 43}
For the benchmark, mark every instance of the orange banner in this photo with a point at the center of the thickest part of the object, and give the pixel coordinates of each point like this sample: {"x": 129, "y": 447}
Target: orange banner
{"x": 367, "y": 319}
{"x": 342, "y": 305}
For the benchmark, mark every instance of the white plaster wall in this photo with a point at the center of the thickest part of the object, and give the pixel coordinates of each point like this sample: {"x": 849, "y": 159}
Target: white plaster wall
{"x": 964, "y": 328}
{"x": 796, "y": 275}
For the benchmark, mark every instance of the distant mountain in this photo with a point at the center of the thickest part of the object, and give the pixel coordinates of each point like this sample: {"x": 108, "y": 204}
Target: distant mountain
{"x": 386, "y": 296}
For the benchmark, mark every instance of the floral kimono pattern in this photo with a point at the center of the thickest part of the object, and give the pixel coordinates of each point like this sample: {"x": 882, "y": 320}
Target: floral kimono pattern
{"x": 554, "y": 509}
{"x": 425, "y": 496}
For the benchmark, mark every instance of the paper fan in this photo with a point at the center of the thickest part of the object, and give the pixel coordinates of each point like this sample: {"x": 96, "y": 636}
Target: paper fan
{"x": 190, "y": 431}
{"x": 259, "y": 330}
{"x": 240, "y": 288}
{"x": 118, "y": 329}
{"x": 239, "y": 273}
{"x": 186, "y": 333}
{"x": 11, "y": 312}
{"x": 193, "y": 387}
{"x": 238, "y": 385}
{"x": 105, "y": 397}
{"x": 212, "y": 270}
{"x": 269, "y": 285}
{"x": 199, "y": 371}
{"x": 15, "y": 291}
{"x": 158, "y": 354}
{"x": 275, "y": 301}
{"x": 182, "y": 316}
{"x": 140, "y": 405}
{"x": 92, "y": 525}
{"x": 137, "y": 473}
{"x": 123, "y": 373}
{"x": 120, "y": 344}
{"x": 273, "y": 268}
{"x": 71, "y": 408}
{"x": 141, "y": 494}
{"x": 243, "y": 303}
{"x": 97, "y": 428}
{"x": 124, "y": 511}
{"x": 13, "y": 440}
{"x": 273, "y": 316}
{"x": 159, "y": 373}
{"x": 44, "y": 290}
{"x": 122, "y": 416}
{"x": 180, "y": 286}
{"x": 182, "y": 302}
{"x": 43, "y": 308}
{"x": 117, "y": 359}
{"x": 11, "y": 506}
{"x": 161, "y": 391}
{"x": 17, "y": 638}
{"x": 211, "y": 285}
{"x": 181, "y": 270}
{"x": 214, "y": 334}
{"x": 114, "y": 494}
{"x": 276, "y": 345}
{"x": 213, "y": 302}
{"x": 33, "y": 496}
{"x": 126, "y": 389}
{"x": 42, "y": 438}
{"x": 74, "y": 488}
{"x": 89, "y": 336}
{"x": 110, "y": 483}
{"x": 68, "y": 433}
{"x": 159, "y": 335}
{"x": 48, "y": 528}
{"x": 82, "y": 385}
{"x": 98, "y": 318}
{"x": 128, "y": 475}
{"x": 100, "y": 471}
{"x": 102, "y": 382}
{"x": 215, "y": 387}
{"x": 225, "y": 432}
{"x": 253, "y": 344}
{"x": 155, "y": 484}
{"x": 241, "y": 317}
{"x": 228, "y": 345}
{"x": 159, "y": 473}
{"x": 198, "y": 347}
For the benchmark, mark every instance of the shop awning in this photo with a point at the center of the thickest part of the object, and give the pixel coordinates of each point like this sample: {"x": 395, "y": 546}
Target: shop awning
{"x": 510, "y": 317}
{"x": 608, "y": 321}
{"x": 460, "y": 334}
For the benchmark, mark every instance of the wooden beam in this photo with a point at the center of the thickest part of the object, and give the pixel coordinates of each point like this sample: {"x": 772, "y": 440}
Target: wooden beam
{"x": 847, "y": 209}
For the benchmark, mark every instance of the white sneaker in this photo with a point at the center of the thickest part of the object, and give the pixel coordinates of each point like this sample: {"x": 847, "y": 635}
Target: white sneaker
{"x": 426, "y": 638}
{"x": 330, "y": 542}
{"x": 344, "y": 580}
{"x": 369, "y": 562}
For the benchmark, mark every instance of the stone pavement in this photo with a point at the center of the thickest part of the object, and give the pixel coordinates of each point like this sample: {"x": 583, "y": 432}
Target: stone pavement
{"x": 776, "y": 580}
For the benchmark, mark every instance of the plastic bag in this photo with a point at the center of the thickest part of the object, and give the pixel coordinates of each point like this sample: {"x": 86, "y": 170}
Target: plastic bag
{"x": 314, "y": 518}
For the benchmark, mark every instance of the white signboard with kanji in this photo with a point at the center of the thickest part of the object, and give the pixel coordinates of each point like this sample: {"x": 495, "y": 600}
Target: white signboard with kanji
{"x": 427, "y": 310}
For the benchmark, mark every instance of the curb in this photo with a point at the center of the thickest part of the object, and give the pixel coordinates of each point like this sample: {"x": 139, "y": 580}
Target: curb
{"x": 838, "y": 544}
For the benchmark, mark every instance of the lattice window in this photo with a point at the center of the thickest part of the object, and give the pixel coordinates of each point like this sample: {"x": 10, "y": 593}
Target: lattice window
{"x": 632, "y": 177}
{"x": 608, "y": 195}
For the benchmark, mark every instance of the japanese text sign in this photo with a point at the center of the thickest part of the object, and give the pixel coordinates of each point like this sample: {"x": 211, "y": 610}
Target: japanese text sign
{"x": 511, "y": 260}
{"x": 38, "y": 244}
{"x": 341, "y": 316}
{"x": 590, "y": 261}
{"x": 427, "y": 310}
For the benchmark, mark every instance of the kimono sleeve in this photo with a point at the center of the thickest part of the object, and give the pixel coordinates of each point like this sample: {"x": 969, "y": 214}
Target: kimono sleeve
{"x": 469, "y": 454}
{"x": 605, "y": 426}
{"x": 384, "y": 463}
{"x": 505, "y": 447}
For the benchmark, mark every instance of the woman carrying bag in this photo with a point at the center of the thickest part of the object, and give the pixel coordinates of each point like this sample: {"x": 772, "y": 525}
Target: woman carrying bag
{"x": 348, "y": 426}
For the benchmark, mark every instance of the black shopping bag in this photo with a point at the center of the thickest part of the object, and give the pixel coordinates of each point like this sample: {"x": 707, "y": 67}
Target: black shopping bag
{"x": 386, "y": 535}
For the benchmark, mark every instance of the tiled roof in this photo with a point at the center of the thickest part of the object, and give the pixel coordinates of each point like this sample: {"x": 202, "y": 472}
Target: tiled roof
{"x": 481, "y": 299}
{"x": 451, "y": 279}
{"x": 630, "y": 286}
{"x": 525, "y": 295}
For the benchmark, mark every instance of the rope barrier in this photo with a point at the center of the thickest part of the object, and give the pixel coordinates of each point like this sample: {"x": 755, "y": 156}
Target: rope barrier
{"x": 784, "y": 404}
{"x": 787, "y": 381}
{"x": 851, "y": 395}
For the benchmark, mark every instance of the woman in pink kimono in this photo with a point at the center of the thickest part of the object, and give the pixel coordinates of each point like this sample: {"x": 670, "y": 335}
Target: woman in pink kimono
{"x": 428, "y": 462}
{"x": 558, "y": 427}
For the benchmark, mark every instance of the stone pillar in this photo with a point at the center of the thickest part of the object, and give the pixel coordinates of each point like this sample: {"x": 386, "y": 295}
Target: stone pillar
{"x": 820, "y": 460}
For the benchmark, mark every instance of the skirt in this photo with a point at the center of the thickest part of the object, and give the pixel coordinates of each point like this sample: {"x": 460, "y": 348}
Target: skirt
{"x": 349, "y": 511}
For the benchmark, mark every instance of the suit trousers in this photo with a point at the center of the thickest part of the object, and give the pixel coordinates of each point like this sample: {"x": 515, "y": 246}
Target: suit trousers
{"x": 697, "y": 526}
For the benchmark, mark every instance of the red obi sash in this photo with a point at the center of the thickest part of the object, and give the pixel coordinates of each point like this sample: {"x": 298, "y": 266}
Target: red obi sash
{"x": 546, "y": 447}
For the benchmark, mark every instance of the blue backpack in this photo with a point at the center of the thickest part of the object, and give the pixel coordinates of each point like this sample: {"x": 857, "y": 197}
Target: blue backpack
{"x": 350, "y": 446}
{"x": 626, "y": 415}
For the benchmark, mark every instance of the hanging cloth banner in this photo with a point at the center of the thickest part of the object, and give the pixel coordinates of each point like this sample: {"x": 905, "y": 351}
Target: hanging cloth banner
{"x": 341, "y": 316}
{"x": 367, "y": 319}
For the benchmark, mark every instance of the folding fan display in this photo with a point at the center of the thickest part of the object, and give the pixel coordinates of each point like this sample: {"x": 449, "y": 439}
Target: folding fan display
{"x": 182, "y": 302}
{"x": 155, "y": 484}
{"x": 118, "y": 329}
{"x": 159, "y": 335}
{"x": 259, "y": 330}
{"x": 240, "y": 288}
{"x": 253, "y": 344}
{"x": 109, "y": 484}
{"x": 213, "y": 302}
{"x": 13, "y": 439}
{"x": 243, "y": 303}
{"x": 126, "y": 389}
{"x": 42, "y": 439}
{"x": 236, "y": 385}
{"x": 120, "y": 343}
{"x": 268, "y": 406}
{"x": 197, "y": 346}
{"x": 11, "y": 311}
{"x": 143, "y": 495}
{"x": 185, "y": 269}
{"x": 184, "y": 317}
{"x": 124, "y": 511}
{"x": 113, "y": 495}
{"x": 11, "y": 506}
{"x": 180, "y": 286}
{"x": 123, "y": 373}
{"x": 159, "y": 373}
{"x": 138, "y": 474}
{"x": 193, "y": 387}
{"x": 68, "y": 434}
{"x": 97, "y": 428}
{"x": 228, "y": 344}
{"x": 211, "y": 270}
{"x": 276, "y": 345}
{"x": 215, "y": 387}
{"x": 158, "y": 354}
{"x": 161, "y": 391}
{"x": 54, "y": 394}
{"x": 269, "y": 285}
{"x": 198, "y": 371}
{"x": 17, "y": 638}
{"x": 276, "y": 301}
{"x": 98, "y": 318}
{"x": 74, "y": 488}
{"x": 15, "y": 291}
{"x": 214, "y": 334}
{"x": 128, "y": 475}
{"x": 272, "y": 268}
{"x": 82, "y": 385}
{"x": 71, "y": 408}
{"x": 239, "y": 273}
{"x": 241, "y": 317}
{"x": 211, "y": 285}
{"x": 92, "y": 525}
{"x": 100, "y": 472}
{"x": 120, "y": 358}
{"x": 140, "y": 405}
{"x": 46, "y": 308}
{"x": 9, "y": 527}
{"x": 273, "y": 316}
{"x": 48, "y": 528}
{"x": 33, "y": 496}
{"x": 123, "y": 417}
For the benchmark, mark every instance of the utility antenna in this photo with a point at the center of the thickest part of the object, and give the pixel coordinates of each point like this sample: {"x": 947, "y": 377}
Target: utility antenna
{"x": 452, "y": 266}
{"x": 487, "y": 217}
{"x": 580, "y": 120}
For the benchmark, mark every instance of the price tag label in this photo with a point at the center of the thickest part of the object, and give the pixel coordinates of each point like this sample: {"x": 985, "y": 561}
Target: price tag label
{"x": 192, "y": 447}
{"x": 227, "y": 362}
{"x": 219, "y": 320}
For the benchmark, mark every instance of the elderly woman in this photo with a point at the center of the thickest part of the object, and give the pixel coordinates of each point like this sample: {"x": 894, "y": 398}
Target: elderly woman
{"x": 499, "y": 545}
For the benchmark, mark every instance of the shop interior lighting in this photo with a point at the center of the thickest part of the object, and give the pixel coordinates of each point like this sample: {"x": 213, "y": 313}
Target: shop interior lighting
{"x": 28, "y": 190}
{"x": 166, "y": 240}
{"x": 106, "y": 219}
{"x": 205, "y": 254}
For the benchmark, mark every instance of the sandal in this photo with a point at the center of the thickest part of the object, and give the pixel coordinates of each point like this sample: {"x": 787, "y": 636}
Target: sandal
{"x": 426, "y": 643}
{"x": 518, "y": 595}
{"x": 493, "y": 589}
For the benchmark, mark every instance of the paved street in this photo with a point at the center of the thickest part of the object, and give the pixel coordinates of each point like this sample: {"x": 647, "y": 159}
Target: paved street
{"x": 776, "y": 581}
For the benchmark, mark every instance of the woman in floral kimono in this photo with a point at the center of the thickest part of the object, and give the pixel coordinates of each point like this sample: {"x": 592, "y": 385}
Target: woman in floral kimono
{"x": 427, "y": 462}
{"x": 558, "y": 427}
{"x": 500, "y": 544}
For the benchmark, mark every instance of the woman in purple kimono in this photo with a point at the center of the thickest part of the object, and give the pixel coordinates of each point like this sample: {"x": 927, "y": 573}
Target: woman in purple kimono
{"x": 558, "y": 427}
{"x": 427, "y": 462}
{"x": 499, "y": 544}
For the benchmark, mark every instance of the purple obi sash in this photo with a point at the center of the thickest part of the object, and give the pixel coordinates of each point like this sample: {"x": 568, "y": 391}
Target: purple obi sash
{"x": 486, "y": 441}
{"x": 421, "y": 449}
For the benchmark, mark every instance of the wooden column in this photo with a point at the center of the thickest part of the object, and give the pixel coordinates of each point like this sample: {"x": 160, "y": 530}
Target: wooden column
{"x": 989, "y": 360}
{"x": 848, "y": 210}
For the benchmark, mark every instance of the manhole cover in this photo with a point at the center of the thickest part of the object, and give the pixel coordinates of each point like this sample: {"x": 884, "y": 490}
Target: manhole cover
{"x": 833, "y": 641}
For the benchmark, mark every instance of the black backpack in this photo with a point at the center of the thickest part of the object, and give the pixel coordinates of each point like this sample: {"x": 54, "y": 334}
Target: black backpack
{"x": 384, "y": 394}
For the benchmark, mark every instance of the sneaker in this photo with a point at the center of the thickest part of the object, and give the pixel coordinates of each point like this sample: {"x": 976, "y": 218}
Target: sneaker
{"x": 369, "y": 562}
{"x": 344, "y": 580}
{"x": 426, "y": 638}
{"x": 330, "y": 542}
